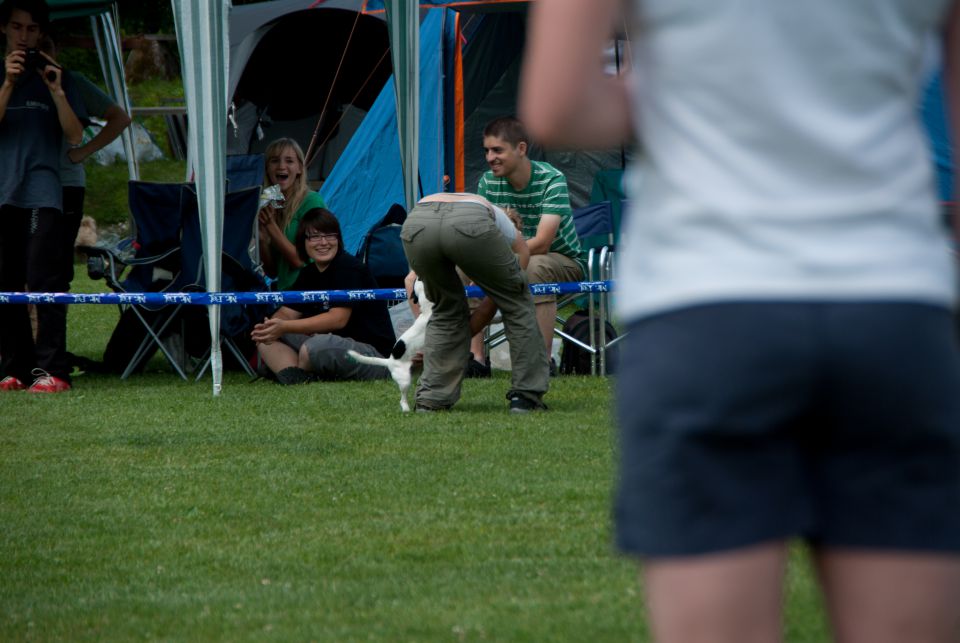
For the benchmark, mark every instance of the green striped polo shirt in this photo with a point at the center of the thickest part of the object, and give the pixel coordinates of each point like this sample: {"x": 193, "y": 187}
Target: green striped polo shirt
{"x": 546, "y": 193}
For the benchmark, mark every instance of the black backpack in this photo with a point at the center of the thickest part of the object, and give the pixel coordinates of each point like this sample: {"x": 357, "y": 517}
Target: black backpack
{"x": 382, "y": 249}
{"x": 574, "y": 360}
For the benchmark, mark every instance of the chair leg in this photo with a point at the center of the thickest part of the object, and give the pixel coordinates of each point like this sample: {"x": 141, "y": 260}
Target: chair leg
{"x": 153, "y": 336}
{"x": 238, "y": 354}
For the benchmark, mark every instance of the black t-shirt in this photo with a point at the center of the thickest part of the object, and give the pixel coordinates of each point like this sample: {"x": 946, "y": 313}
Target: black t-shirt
{"x": 369, "y": 320}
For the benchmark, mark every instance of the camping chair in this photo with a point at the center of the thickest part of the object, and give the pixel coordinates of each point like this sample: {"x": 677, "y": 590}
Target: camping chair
{"x": 244, "y": 171}
{"x": 147, "y": 262}
{"x": 594, "y": 224}
{"x": 240, "y": 271}
{"x": 596, "y": 229}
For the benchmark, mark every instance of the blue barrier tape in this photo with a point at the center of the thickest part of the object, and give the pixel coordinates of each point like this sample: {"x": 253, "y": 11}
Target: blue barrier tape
{"x": 285, "y": 297}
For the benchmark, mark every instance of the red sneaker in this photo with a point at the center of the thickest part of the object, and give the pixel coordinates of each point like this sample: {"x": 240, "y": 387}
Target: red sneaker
{"x": 10, "y": 383}
{"x": 46, "y": 383}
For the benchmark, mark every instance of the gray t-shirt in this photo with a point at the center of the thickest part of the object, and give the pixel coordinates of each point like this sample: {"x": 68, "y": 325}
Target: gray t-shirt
{"x": 96, "y": 103}
{"x": 30, "y": 144}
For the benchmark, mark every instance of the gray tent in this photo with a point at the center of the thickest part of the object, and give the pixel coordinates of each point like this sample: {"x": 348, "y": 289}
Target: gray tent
{"x": 335, "y": 63}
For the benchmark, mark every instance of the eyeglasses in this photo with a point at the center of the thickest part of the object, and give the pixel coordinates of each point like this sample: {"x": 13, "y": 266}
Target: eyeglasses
{"x": 316, "y": 237}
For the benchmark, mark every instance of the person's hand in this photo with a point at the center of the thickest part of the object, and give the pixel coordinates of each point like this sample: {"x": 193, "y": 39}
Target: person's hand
{"x": 266, "y": 215}
{"x": 408, "y": 282}
{"x": 268, "y": 332}
{"x": 515, "y": 218}
{"x": 52, "y": 75}
{"x": 13, "y": 65}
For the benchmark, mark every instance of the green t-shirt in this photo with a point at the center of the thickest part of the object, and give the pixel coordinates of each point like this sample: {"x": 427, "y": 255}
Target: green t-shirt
{"x": 287, "y": 274}
{"x": 546, "y": 193}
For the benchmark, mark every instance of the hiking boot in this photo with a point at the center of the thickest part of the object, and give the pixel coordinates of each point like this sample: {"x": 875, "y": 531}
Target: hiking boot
{"x": 520, "y": 404}
{"x": 475, "y": 368}
{"x": 10, "y": 383}
{"x": 47, "y": 383}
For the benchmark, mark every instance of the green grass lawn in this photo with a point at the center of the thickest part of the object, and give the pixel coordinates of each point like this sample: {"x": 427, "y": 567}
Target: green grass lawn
{"x": 148, "y": 509}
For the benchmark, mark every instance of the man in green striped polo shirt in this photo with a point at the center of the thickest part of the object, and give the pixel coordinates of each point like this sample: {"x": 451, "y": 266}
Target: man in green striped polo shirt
{"x": 537, "y": 192}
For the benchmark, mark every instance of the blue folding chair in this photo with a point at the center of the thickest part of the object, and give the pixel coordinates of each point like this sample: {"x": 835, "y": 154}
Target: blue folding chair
{"x": 149, "y": 261}
{"x": 244, "y": 171}
{"x": 240, "y": 268}
{"x": 596, "y": 230}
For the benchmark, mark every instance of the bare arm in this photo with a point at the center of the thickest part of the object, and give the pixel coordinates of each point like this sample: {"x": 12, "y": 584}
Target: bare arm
{"x": 333, "y": 319}
{"x": 522, "y": 250}
{"x": 951, "y": 78}
{"x": 71, "y": 125}
{"x": 482, "y": 315}
{"x": 546, "y": 233}
{"x": 408, "y": 282}
{"x": 270, "y": 229}
{"x": 286, "y": 320}
{"x": 117, "y": 121}
{"x": 12, "y": 67}
{"x": 565, "y": 98}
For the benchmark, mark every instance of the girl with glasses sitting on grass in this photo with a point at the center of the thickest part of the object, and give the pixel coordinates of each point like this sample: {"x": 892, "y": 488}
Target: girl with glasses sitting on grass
{"x": 309, "y": 341}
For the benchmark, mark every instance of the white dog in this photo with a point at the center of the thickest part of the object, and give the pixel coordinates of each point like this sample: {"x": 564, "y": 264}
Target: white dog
{"x": 410, "y": 343}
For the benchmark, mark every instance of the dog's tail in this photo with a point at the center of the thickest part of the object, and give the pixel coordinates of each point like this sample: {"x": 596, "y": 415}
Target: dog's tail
{"x": 366, "y": 359}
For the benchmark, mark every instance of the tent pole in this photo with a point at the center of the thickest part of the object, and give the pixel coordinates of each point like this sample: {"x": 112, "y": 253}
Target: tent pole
{"x": 106, "y": 37}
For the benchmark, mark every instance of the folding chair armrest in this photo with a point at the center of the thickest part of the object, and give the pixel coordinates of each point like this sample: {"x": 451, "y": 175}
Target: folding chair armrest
{"x": 244, "y": 278}
{"x": 146, "y": 261}
{"x": 105, "y": 263}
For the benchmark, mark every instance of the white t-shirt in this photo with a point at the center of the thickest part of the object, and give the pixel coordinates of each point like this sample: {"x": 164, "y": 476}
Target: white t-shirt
{"x": 504, "y": 224}
{"x": 782, "y": 156}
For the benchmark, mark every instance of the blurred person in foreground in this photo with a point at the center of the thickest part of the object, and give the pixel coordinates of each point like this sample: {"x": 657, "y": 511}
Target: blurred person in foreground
{"x": 791, "y": 368}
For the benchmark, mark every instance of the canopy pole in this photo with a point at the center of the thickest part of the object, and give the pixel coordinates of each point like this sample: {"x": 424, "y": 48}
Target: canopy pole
{"x": 403, "y": 25}
{"x": 106, "y": 37}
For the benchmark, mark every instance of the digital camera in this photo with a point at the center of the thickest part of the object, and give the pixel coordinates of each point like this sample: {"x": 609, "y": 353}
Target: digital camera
{"x": 33, "y": 59}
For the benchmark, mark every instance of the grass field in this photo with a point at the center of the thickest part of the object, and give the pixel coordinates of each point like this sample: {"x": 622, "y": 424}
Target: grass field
{"x": 148, "y": 509}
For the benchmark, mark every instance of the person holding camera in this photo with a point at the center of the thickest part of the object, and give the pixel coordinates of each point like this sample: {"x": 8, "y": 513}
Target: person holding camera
{"x": 286, "y": 168}
{"x": 39, "y": 108}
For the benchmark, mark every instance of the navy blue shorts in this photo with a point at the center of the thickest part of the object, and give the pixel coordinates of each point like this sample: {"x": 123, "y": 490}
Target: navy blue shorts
{"x": 747, "y": 422}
